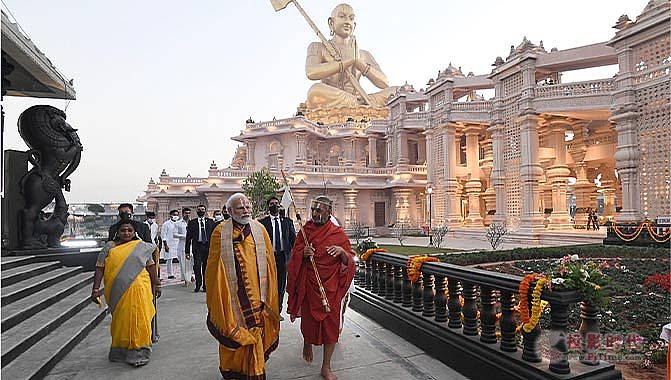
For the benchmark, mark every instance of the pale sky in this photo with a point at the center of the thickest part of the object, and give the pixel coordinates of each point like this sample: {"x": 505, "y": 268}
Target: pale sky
{"x": 166, "y": 84}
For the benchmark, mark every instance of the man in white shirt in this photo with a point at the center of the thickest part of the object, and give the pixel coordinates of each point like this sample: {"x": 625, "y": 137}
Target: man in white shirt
{"x": 186, "y": 270}
{"x": 153, "y": 227}
{"x": 170, "y": 236}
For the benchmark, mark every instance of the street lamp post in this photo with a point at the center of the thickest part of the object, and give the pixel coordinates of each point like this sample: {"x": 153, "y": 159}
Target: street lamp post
{"x": 430, "y": 191}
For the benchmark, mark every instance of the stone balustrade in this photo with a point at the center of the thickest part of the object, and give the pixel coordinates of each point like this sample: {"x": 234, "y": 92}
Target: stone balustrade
{"x": 183, "y": 180}
{"x": 600, "y": 86}
{"x": 453, "y": 309}
{"x": 477, "y": 106}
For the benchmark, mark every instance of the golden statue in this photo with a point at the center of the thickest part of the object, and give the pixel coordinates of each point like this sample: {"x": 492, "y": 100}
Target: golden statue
{"x": 341, "y": 65}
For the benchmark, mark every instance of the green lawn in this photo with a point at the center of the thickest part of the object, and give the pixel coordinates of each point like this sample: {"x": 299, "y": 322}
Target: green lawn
{"x": 411, "y": 250}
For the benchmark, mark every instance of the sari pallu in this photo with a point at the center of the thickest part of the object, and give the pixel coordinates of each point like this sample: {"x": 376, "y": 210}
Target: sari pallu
{"x": 129, "y": 295}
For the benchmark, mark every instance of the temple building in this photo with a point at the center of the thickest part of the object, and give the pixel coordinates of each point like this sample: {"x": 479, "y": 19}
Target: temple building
{"x": 535, "y": 157}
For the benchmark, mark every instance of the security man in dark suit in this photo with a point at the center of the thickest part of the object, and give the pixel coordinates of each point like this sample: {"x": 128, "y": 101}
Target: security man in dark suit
{"x": 198, "y": 232}
{"x": 126, "y": 212}
{"x": 282, "y": 234}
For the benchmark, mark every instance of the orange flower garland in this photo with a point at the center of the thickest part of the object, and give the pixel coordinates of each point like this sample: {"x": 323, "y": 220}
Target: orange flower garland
{"x": 537, "y": 306}
{"x": 530, "y": 320}
{"x": 369, "y": 253}
{"x": 414, "y": 266}
{"x": 524, "y": 294}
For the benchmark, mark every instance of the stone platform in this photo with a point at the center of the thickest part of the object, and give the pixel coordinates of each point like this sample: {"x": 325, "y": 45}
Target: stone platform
{"x": 187, "y": 351}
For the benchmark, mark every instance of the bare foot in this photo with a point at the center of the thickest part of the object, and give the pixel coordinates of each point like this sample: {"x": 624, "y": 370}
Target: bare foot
{"x": 327, "y": 374}
{"x": 307, "y": 352}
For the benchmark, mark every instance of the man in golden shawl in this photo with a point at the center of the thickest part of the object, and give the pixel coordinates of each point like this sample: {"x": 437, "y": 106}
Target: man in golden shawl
{"x": 128, "y": 269}
{"x": 241, "y": 282}
{"x": 309, "y": 290}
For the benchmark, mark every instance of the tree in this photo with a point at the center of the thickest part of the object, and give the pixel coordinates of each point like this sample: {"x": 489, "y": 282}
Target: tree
{"x": 258, "y": 187}
{"x": 358, "y": 231}
{"x": 438, "y": 234}
{"x": 401, "y": 233}
{"x": 495, "y": 234}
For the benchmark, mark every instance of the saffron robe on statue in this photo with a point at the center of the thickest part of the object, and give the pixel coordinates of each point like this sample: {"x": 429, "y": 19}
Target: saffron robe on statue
{"x": 243, "y": 311}
{"x": 317, "y": 326}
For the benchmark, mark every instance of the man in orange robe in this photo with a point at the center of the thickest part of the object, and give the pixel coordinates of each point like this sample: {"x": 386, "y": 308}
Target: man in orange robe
{"x": 241, "y": 283}
{"x": 334, "y": 259}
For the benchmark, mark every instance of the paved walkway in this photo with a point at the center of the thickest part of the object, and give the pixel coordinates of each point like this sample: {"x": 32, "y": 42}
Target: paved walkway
{"x": 187, "y": 351}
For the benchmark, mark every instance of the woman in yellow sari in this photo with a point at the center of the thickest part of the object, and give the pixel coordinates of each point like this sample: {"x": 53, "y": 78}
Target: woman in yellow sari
{"x": 128, "y": 269}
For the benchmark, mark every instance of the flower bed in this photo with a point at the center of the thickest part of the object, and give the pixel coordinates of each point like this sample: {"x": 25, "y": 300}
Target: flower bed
{"x": 637, "y": 302}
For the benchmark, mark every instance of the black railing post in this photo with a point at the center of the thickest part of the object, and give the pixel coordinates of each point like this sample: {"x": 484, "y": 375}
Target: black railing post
{"x": 488, "y": 315}
{"x": 507, "y": 322}
{"x": 558, "y": 339}
{"x": 453, "y": 303}
{"x": 441, "y": 299}
{"x": 398, "y": 284}
{"x": 368, "y": 284}
{"x": 375, "y": 288}
{"x": 389, "y": 281}
{"x": 417, "y": 295}
{"x": 470, "y": 309}
{"x": 407, "y": 288}
{"x": 429, "y": 295}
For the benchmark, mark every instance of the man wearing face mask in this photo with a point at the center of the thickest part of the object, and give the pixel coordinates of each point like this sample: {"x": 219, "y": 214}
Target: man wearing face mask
{"x": 180, "y": 233}
{"x": 126, "y": 213}
{"x": 169, "y": 230}
{"x": 333, "y": 258}
{"x": 198, "y": 233}
{"x": 153, "y": 227}
{"x": 282, "y": 235}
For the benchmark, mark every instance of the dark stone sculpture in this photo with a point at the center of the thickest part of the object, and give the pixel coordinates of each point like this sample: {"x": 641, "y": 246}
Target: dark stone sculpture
{"x": 55, "y": 152}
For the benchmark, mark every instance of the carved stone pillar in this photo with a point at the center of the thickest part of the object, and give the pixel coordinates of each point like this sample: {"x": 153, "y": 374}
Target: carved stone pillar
{"x": 372, "y": 152}
{"x": 251, "y": 151}
{"x": 402, "y": 205}
{"x": 530, "y": 173}
{"x": 557, "y": 175}
{"x": 301, "y": 200}
{"x": 498, "y": 177}
{"x": 608, "y": 200}
{"x": 627, "y": 161}
{"x": 473, "y": 185}
{"x": 301, "y": 149}
{"x": 350, "y": 207}
{"x": 452, "y": 202}
{"x": 403, "y": 148}
{"x": 163, "y": 210}
{"x": 421, "y": 150}
{"x": 584, "y": 190}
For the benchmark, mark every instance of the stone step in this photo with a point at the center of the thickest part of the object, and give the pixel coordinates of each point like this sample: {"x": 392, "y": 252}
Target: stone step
{"x": 30, "y": 331}
{"x": 22, "y": 309}
{"x": 23, "y": 272}
{"x": 9, "y": 262}
{"x": 36, "y": 362}
{"x": 33, "y": 285}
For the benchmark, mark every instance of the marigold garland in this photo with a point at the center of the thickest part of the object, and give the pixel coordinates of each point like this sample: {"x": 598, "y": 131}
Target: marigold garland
{"x": 369, "y": 253}
{"x": 523, "y": 305}
{"x": 537, "y": 306}
{"x": 414, "y": 266}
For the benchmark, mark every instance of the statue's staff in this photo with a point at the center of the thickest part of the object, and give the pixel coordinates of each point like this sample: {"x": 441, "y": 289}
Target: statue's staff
{"x": 281, "y": 4}
{"x": 322, "y": 292}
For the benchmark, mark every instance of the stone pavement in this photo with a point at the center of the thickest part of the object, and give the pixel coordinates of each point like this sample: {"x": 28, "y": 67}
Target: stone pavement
{"x": 187, "y": 351}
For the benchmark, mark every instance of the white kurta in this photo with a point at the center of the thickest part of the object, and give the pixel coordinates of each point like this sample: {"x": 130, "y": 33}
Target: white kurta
{"x": 168, "y": 230}
{"x": 184, "y": 264}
